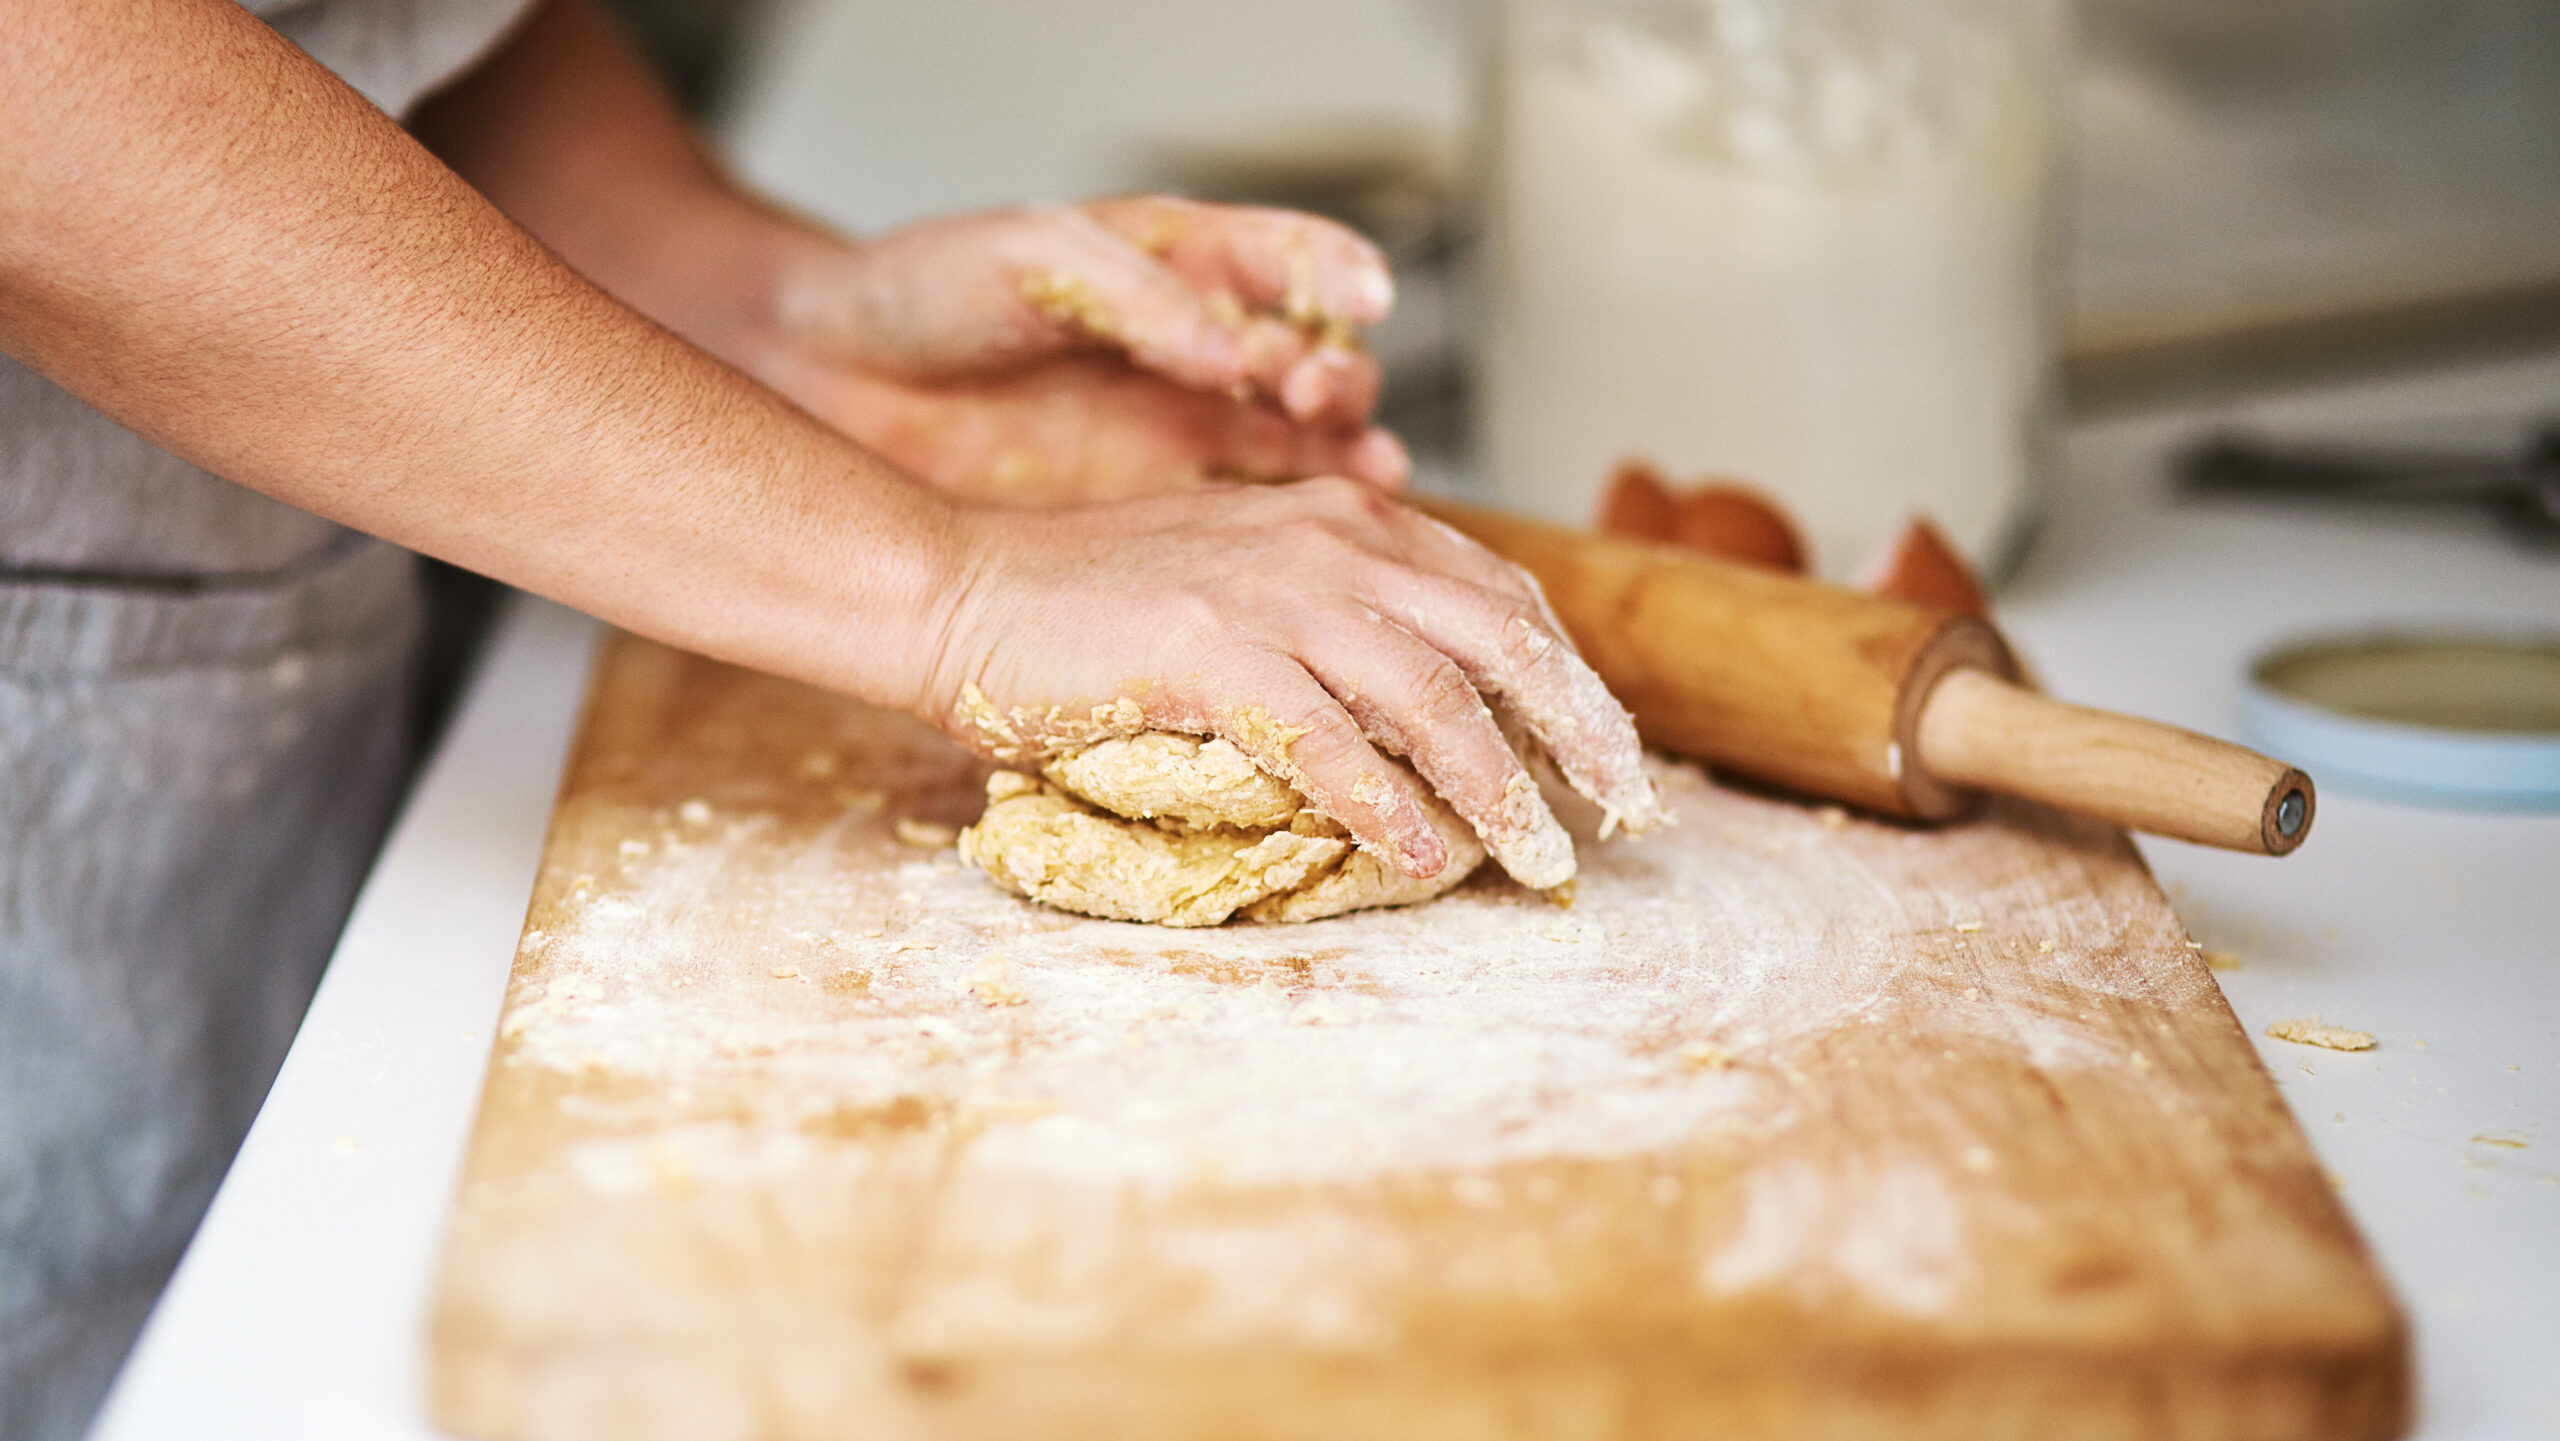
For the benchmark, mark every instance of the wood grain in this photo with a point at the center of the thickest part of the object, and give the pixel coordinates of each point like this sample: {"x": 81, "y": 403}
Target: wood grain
{"x": 1794, "y": 1126}
{"x": 1902, "y": 708}
{"x": 1979, "y": 730}
{"x": 1813, "y": 687}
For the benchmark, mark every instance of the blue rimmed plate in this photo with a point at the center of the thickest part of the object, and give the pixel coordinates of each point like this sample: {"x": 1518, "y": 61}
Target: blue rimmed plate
{"x": 2460, "y": 713}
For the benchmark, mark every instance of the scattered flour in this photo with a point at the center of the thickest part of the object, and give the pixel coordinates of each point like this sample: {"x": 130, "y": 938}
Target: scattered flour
{"x": 1691, "y": 992}
{"x": 1488, "y": 1026}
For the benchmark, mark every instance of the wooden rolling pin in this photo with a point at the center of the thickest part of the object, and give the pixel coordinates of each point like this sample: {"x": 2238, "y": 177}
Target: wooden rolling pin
{"x": 1899, "y": 708}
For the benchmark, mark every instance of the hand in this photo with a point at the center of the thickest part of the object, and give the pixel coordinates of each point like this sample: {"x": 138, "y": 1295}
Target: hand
{"x": 1093, "y": 351}
{"x": 1104, "y": 349}
{"x": 1314, "y": 625}
{"x": 1082, "y": 428}
{"x": 1239, "y": 300}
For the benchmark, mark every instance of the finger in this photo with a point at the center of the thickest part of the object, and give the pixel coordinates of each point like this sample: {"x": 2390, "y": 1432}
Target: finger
{"x": 1330, "y": 383}
{"x": 1309, "y": 270}
{"x": 1418, "y": 703}
{"x": 1317, "y": 375}
{"x": 1424, "y": 541}
{"x": 1448, "y": 549}
{"x": 1094, "y": 287}
{"x": 1260, "y": 443}
{"x": 1512, "y": 653}
{"x": 1298, "y": 732}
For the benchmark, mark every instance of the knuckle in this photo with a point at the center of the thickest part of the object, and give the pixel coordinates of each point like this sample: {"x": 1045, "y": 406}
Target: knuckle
{"x": 1524, "y": 642}
{"x": 1326, "y": 540}
{"x": 1442, "y": 693}
{"x": 1515, "y": 585}
{"x": 1331, "y": 745}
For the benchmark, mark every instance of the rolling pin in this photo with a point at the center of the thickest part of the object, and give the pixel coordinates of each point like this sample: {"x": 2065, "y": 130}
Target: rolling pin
{"x": 1899, "y": 708}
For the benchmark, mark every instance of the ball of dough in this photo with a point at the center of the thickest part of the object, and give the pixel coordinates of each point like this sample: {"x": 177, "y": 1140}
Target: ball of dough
{"x": 1178, "y": 831}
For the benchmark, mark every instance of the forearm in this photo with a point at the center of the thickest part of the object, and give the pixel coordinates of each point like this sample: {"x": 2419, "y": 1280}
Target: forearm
{"x": 210, "y": 238}
{"x": 565, "y": 130}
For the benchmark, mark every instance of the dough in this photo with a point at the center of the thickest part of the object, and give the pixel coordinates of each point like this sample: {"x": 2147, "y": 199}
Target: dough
{"x": 1198, "y": 785}
{"x": 1185, "y": 832}
{"x": 2313, "y": 1033}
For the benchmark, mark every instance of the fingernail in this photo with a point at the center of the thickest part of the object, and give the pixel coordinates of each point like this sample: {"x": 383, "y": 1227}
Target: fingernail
{"x": 1378, "y": 456}
{"x": 1305, "y": 390}
{"x": 1422, "y": 856}
{"x": 1377, "y": 294}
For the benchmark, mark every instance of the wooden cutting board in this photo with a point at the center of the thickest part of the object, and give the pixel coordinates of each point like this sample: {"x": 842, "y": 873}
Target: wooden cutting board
{"x": 1792, "y": 1125}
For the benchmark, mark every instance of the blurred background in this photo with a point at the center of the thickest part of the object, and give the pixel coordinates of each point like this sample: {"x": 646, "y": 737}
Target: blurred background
{"x": 2242, "y": 197}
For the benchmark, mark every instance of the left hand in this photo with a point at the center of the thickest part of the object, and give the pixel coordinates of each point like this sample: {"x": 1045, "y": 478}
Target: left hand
{"x": 1092, "y": 351}
{"x": 1081, "y": 428}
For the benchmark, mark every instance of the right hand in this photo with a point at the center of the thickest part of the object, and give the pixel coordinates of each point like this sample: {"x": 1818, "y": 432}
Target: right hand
{"x": 1203, "y": 340}
{"x": 1227, "y": 299}
{"x": 1314, "y": 625}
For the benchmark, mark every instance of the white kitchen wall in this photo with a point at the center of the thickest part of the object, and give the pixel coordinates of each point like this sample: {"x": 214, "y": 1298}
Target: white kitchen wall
{"x": 867, "y": 112}
{"x": 2241, "y": 164}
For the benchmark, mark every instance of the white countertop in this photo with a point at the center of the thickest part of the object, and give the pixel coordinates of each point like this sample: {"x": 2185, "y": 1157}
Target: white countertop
{"x": 299, "y": 1310}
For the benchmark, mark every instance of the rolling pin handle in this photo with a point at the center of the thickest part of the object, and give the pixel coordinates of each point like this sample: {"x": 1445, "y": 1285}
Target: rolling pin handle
{"x": 1979, "y": 730}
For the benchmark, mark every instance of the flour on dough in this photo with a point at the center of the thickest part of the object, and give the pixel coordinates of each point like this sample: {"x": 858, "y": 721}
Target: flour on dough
{"x": 1185, "y": 832}
{"x": 1195, "y": 783}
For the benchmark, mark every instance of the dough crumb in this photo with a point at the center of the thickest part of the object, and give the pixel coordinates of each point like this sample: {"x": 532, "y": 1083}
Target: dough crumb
{"x": 2311, "y": 1032}
{"x": 2222, "y": 960}
{"x": 1022, "y": 733}
{"x": 1268, "y": 736}
{"x": 991, "y": 984}
{"x": 1069, "y": 302}
{"x": 926, "y": 835}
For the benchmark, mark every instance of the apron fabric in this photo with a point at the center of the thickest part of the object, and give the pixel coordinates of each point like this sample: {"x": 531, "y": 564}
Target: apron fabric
{"x": 204, "y": 723}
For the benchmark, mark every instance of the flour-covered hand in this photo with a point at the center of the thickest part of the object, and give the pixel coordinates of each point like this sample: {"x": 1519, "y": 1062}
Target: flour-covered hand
{"x": 1238, "y": 300}
{"x": 1315, "y": 625}
{"x": 1082, "y": 352}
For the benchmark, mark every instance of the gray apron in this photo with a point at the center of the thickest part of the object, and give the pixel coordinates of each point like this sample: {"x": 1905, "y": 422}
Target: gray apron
{"x": 204, "y": 703}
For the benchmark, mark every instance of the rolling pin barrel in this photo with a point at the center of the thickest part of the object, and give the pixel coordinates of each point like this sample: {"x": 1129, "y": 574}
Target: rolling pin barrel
{"x": 1899, "y": 708}
{"x": 1811, "y": 687}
